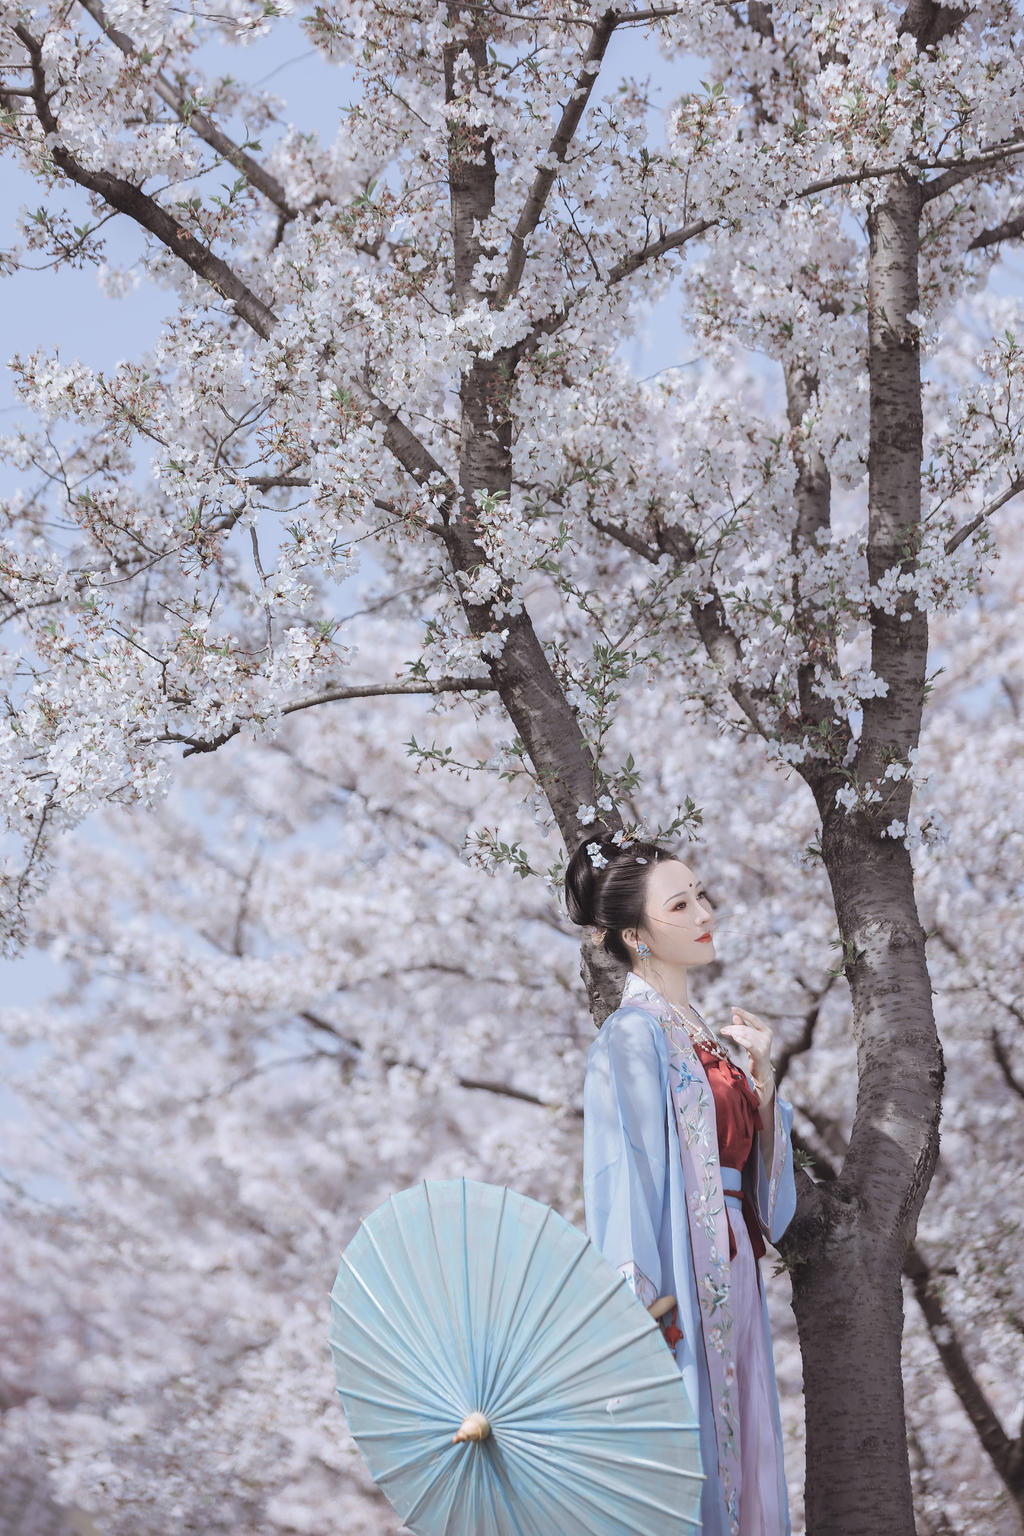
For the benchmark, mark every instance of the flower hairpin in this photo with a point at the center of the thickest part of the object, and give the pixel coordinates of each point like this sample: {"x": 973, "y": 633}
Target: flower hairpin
{"x": 597, "y": 858}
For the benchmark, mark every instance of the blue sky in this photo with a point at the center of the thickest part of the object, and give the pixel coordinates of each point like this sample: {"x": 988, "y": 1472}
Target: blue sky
{"x": 67, "y": 310}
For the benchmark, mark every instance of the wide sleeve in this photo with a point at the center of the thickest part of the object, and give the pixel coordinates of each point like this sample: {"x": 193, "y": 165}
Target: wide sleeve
{"x": 775, "y": 1187}
{"x": 625, "y": 1148}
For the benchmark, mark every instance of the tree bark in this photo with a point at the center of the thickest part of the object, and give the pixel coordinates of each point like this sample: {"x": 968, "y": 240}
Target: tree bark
{"x": 849, "y": 1247}
{"x": 850, "y": 1250}
{"x": 530, "y": 692}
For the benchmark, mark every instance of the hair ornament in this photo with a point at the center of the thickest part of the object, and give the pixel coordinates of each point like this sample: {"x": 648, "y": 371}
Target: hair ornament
{"x": 597, "y": 935}
{"x": 597, "y": 858}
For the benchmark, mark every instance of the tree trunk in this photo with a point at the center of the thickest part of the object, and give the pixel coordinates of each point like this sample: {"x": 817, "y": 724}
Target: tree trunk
{"x": 530, "y": 693}
{"x": 850, "y": 1239}
{"x": 849, "y": 1246}
{"x": 849, "y": 1310}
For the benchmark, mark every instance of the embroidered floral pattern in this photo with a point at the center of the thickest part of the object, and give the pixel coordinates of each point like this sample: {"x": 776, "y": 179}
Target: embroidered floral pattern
{"x": 716, "y": 1297}
{"x": 643, "y": 1289}
{"x": 709, "y": 1232}
{"x": 778, "y": 1161}
{"x": 686, "y": 1077}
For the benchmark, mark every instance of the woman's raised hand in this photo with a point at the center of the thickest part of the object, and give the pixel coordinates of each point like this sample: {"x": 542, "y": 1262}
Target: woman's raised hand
{"x": 755, "y": 1036}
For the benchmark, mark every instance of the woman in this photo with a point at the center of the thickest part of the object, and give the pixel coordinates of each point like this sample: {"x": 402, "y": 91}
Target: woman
{"x": 687, "y": 1161}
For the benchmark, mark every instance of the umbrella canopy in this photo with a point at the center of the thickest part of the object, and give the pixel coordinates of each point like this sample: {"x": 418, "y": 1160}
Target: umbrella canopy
{"x": 501, "y": 1378}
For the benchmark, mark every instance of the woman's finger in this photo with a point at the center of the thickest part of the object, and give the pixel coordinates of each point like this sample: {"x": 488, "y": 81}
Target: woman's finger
{"x": 745, "y": 1035}
{"x": 751, "y": 1019}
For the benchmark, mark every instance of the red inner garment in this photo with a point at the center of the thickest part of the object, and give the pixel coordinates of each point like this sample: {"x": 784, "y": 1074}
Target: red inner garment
{"x": 738, "y": 1117}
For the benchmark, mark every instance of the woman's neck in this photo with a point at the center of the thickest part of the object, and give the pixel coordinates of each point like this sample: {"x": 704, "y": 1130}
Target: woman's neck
{"x": 671, "y": 984}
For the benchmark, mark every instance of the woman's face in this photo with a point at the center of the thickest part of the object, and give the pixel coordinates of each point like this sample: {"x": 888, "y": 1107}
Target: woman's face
{"x": 677, "y": 921}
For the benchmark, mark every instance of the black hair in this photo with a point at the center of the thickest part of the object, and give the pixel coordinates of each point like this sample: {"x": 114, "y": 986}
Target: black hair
{"x": 612, "y": 895}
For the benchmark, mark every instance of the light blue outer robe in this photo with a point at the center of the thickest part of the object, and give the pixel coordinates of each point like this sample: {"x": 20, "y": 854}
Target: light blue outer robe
{"x": 635, "y": 1197}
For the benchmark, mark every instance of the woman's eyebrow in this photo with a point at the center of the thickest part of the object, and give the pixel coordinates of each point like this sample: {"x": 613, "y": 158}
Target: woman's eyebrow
{"x": 698, "y": 887}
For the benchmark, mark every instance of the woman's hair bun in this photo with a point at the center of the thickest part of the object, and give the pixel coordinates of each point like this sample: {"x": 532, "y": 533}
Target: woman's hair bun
{"x": 581, "y": 879}
{"x": 605, "y": 882}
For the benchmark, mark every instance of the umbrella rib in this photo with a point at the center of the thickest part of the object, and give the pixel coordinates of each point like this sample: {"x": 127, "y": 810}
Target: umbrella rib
{"x": 485, "y": 1371}
{"x": 425, "y": 1453}
{"x": 380, "y": 1343}
{"x": 516, "y": 1364}
{"x": 539, "y": 1389}
{"x": 601, "y": 1426}
{"x": 447, "y": 1305}
{"x": 539, "y": 1444}
{"x": 429, "y": 1366}
{"x": 509, "y": 1415}
{"x": 624, "y": 1341}
{"x": 586, "y": 1483}
{"x": 398, "y": 1434}
{"x": 474, "y": 1377}
{"x": 496, "y": 1487}
{"x": 544, "y": 1494}
{"x": 554, "y": 1488}
{"x": 444, "y": 1470}
{"x": 468, "y": 1515}
{"x": 400, "y": 1406}
{"x": 557, "y": 1287}
{"x": 434, "y": 1365}
{"x": 407, "y": 1399}
{"x": 513, "y": 1307}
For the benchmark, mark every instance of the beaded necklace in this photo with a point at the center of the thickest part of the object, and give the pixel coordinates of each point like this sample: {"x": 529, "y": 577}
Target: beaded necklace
{"x": 701, "y": 1033}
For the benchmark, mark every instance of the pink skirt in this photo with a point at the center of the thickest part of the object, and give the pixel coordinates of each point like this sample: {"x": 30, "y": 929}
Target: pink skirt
{"x": 764, "y": 1507}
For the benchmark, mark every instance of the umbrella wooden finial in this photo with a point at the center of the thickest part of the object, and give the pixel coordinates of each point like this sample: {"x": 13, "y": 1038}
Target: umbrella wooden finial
{"x": 661, "y": 1306}
{"x": 473, "y": 1427}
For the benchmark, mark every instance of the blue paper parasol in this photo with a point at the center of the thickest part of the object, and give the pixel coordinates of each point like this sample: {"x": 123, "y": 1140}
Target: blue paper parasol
{"x": 501, "y": 1378}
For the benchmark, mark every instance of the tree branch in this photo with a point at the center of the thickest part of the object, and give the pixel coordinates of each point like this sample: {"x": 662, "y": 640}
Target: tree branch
{"x": 670, "y": 242}
{"x": 277, "y": 482}
{"x": 961, "y": 170}
{"x": 544, "y": 179}
{"x": 333, "y": 695}
{"x": 956, "y": 539}
{"x": 200, "y": 124}
{"x": 148, "y": 213}
{"x": 629, "y": 540}
{"x": 1010, "y": 229}
{"x": 1001, "y": 1450}
{"x": 709, "y": 619}
{"x": 549, "y": 324}
{"x": 720, "y": 639}
{"x": 145, "y": 210}
{"x": 805, "y": 1039}
{"x": 473, "y": 1084}
{"x": 1002, "y": 1058}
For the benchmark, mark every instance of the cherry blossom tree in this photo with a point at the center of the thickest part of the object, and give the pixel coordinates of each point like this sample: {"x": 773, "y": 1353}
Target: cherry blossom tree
{"x": 252, "y": 1049}
{"x": 396, "y": 357}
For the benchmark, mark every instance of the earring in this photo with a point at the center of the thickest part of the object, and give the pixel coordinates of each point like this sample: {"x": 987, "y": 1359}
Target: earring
{"x": 642, "y": 949}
